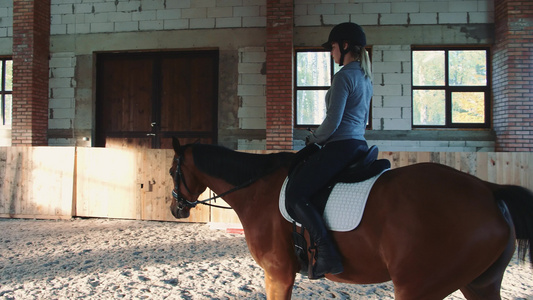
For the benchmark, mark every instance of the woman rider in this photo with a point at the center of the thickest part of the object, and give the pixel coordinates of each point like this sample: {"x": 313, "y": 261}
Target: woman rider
{"x": 341, "y": 136}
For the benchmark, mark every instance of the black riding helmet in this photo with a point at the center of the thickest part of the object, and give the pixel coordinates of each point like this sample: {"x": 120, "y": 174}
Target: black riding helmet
{"x": 346, "y": 32}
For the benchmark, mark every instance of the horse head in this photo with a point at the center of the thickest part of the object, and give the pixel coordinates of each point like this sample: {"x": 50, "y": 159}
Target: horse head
{"x": 187, "y": 187}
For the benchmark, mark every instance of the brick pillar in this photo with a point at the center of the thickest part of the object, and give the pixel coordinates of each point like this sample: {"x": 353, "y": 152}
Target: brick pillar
{"x": 513, "y": 75}
{"x": 279, "y": 56}
{"x": 31, "y": 48}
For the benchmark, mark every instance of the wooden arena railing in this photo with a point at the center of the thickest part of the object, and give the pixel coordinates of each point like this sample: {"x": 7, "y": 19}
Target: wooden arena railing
{"x": 65, "y": 182}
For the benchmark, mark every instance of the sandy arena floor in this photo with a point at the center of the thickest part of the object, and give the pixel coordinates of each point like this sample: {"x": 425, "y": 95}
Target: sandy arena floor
{"x": 122, "y": 259}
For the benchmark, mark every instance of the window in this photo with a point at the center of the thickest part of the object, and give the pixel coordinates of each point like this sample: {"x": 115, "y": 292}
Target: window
{"x": 451, "y": 87}
{"x": 6, "y": 89}
{"x": 313, "y": 76}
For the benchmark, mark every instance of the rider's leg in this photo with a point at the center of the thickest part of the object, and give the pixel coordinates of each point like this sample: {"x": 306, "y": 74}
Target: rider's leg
{"x": 308, "y": 179}
{"x": 329, "y": 260}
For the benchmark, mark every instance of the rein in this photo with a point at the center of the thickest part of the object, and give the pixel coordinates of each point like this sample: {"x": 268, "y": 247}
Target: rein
{"x": 178, "y": 175}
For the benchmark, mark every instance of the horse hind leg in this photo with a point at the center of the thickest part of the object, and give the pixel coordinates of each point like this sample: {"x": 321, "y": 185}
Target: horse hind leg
{"x": 487, "y": 286}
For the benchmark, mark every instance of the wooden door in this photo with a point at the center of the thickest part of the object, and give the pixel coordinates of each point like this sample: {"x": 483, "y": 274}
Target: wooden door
{"x": 143, "y": 99}
{"x": 188, "y": 99}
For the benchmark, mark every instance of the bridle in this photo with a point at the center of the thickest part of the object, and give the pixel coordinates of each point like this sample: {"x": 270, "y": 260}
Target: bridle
{"x": 177, "y": 177}
{"x": 184, "y": 203}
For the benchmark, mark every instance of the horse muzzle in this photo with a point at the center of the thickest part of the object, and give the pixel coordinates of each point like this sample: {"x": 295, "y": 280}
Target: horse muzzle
{"x": 181, "y": 207}
{"x": 178, "y": 211}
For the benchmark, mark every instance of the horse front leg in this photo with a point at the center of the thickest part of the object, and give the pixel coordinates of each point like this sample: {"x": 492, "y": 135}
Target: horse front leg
{"x": 278, "y": 286}
{"x": 280, "y": 268}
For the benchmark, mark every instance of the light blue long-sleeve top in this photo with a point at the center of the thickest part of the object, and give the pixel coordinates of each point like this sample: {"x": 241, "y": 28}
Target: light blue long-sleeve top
{"x": 347, "y": 106}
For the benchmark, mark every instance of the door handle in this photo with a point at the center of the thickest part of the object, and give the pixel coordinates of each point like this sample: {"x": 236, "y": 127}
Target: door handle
{"x": 150, "y": 134}
{"x": 153, "y": 124}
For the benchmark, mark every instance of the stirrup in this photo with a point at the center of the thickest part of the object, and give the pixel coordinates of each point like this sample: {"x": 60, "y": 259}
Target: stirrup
{"x": 312, "y": 262}
{"x": 300, "y": 249}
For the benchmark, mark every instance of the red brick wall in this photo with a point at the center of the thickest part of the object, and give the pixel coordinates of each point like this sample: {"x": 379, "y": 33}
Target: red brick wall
{"x": 512, "y": 64}
{"x": 279, "y": 113}
{"x": 31, "y": 44}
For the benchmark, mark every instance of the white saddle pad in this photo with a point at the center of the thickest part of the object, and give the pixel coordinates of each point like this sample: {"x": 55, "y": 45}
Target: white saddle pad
{"x": 345, "y": 206}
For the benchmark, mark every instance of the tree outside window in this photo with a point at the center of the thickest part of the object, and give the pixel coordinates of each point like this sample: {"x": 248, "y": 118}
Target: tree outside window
{"x": 313, "y": 78}
{"x": 450, "y": 87}
{"x": 314, "y": 70}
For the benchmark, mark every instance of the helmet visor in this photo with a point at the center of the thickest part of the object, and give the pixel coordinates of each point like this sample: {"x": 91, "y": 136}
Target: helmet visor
{"x": 327, "y": 46}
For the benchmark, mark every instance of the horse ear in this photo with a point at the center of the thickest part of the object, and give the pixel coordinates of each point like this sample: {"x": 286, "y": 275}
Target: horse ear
{"x": 176, "y": 144}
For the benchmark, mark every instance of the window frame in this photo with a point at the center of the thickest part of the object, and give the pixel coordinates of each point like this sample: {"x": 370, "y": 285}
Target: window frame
{"x": 449, "y": 90}
{"x": 307, "y": 88}
{"x": 3, "y": 92}
{"x": 296, "y": 88}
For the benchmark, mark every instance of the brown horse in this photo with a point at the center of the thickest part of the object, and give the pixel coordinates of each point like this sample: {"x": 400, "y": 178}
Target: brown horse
{"x": 429, "y": 228}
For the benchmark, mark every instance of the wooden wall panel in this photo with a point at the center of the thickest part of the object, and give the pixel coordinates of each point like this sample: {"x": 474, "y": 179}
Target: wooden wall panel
{"x": 500, "y": 167}
{"x": 220, "y": 215}
{"x": 37, "y": 182}
{"x": 156, "y": 188}
{"x": 106, "y": 183}
{"x": 61, "y": 182}
{"x": 128, "y": 184}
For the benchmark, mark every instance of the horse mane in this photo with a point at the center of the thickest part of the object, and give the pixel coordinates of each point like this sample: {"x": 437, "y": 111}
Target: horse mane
{"x": 236, "y": 167}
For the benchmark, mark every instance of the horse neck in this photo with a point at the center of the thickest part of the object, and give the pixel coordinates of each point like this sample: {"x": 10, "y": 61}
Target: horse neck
{"x": 253, "y": 202}
{"x": 222, "y": 170}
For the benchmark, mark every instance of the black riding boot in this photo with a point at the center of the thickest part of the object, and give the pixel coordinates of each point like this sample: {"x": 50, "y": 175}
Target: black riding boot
{"x": 329, "y": 260}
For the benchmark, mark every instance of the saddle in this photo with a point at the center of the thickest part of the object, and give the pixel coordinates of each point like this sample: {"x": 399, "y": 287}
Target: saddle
{"x": 354, "y": 172}
{"x": 357, "y": 171}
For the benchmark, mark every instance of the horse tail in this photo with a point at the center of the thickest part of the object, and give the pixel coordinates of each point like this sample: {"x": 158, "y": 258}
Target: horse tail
{"x": 519, "y": 201}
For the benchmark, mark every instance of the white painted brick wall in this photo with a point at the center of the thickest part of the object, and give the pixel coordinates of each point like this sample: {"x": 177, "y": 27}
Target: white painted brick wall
{"x": 347, "y": 8}
{"x": 393, "y": 19}
{"x": 377, "y": 8}
{"x": 160, "y": 14}
{"x": 383, "y": 12}
{"x": 251, "y": 88}
{"x": 433, "y": 6}
{"x": 219, "y": 12}
{"x": 391, "y": 106}
{"x": 405, "y": 7}
{"x": 98, "y": 16}
{"x": 62, "y": 90}
{"x": 364, "y": 19}
{"x": 462, "y": 6}
{"x": 391, "y": 68}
